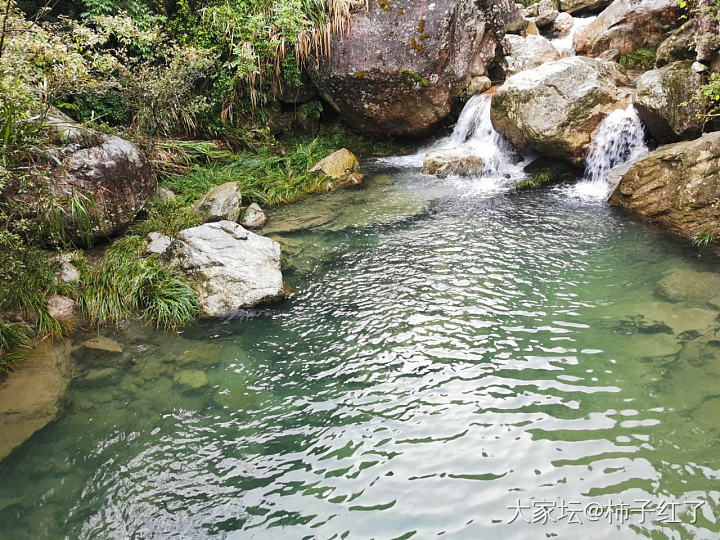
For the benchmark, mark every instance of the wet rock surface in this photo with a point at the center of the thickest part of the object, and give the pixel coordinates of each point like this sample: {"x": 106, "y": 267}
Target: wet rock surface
{"x": 32, "y": 397}
{"x": 677, "y": 186}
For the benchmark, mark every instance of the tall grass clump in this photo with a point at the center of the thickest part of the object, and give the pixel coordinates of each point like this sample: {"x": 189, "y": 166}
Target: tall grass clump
{"x": 124, "y": 285}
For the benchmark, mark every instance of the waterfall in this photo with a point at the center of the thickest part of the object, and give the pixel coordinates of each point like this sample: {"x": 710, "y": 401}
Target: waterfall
{"x": 564, "y": 44}
{"x": 474, "y": 134}
{"x": 620, "y": 138}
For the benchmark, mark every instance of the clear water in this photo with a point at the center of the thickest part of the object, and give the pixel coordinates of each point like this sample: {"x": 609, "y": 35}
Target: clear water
{"x": 448, "y": 351}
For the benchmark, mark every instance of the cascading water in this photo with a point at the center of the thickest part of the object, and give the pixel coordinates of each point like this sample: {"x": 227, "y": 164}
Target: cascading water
{"x": 474, "y": 134}
{"x": 619, "y": 139}
{"x": 564, "y": 44}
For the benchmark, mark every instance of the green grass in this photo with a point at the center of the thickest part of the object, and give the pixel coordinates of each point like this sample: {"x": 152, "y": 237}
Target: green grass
{"x": 124, "y": 285}
{"x": 536, "y": 180}
{"x": 640, "y": 58}
{"x": 702, "y": 239}
{"x": 14, "y": 339}
{"x": 268, "y": 177}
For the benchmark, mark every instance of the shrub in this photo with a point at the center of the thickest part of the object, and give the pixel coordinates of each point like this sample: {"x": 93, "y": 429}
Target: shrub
{"x": 640, "y": 58}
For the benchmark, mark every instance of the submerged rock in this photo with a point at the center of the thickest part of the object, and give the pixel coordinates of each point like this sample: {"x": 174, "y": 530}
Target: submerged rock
{"x": 677, "y": 186}
{"x": 109, "y": 176}
{"x": 701, "y": 289}
{"x": 555, "y": 108}
{"x": 31, "y": 397}
{"x": 219, "y": 203}
{"x": 454, "y": 161}
{"x": 202, "y": 357}
{"x": 528, "y": 52}
{"x": 627, "y": 25}
{"x": 401, "y": 64}
{"x": 665, "y": 102}
{"x": 254, "y": 217}
{"x": 103, "y": 344}
{"x": 229, "y": 267}
{"x": 193, "y": 379}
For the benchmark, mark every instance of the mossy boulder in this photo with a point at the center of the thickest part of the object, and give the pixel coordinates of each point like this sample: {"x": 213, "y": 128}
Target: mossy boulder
{"x": 555, "y": 108}
{"x": 401, "y": 64}
{"x": 665, "y": 102}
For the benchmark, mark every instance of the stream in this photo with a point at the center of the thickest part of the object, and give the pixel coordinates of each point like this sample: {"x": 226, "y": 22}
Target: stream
{"x": 453, "y": 349}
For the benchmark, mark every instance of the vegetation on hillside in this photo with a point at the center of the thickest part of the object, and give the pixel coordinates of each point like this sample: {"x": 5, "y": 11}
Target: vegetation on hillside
{"x": 194, "y": 82}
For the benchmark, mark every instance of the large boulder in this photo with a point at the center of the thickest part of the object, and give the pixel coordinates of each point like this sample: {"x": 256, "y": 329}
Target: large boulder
{"x": 665, "y": 103}
{"x": 627, "y": 25}
{"x": 108, "y": 176}
{"x": 229, "y": 267}
{"x": 555, "y": 108}
{"x": 523, "y": 53}
{"x": 31, "y": 397}
{"x": 578, "y": 7}
{"x": 401, "y": 64}
{"x": 679, "y": 45}
{"x": 454, "y": 161}
{"x": 677, "y": 186}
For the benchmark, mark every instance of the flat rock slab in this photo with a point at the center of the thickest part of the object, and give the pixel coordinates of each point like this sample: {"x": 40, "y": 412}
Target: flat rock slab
{"x": 31, "y": 397}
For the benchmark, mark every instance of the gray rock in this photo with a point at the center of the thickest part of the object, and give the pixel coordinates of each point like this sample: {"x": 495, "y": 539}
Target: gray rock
{"x": 562, "y": 25}
{"x": 222, "y": 202}
{"x": 62, "y": 308}
{"x": 254, "y": 217}
{"x": 627, "y": 25}
{"x": 665, "y": 103}
{"x": 547, "y": 13}
{"x": 445, "y": 162}
{"x": 679, "y": 45}
{"x": 528, "y": 52}
{"x": 676, "y": 186}
{"x": 68, "y": 273}
{"x": 31, "y": 396}
{"x": 554, "y": 108}
{"x": 164, "y": 194}
{"x": 230, "y": 268}
{"x": 158, "y": 243}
